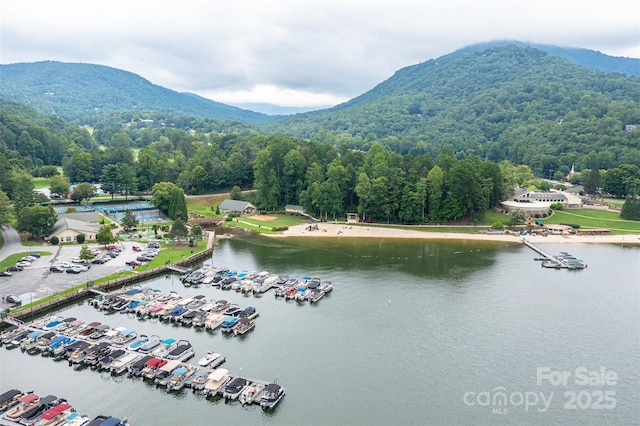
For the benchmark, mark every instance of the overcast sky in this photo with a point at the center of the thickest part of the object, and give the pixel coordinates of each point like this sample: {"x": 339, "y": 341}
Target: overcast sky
{"x": 295, "y": 53}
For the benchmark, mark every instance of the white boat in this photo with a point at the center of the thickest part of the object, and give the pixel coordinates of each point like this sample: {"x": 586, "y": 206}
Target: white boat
{"x": 121, "y": 364}
{"x": 209, "y": 359}
{"x": 244, "y": 325}
{"x": 213, "y": 321}
{"x": 234, "y": 388}
{"x": 182, "y": 352}
{"x": 251, "y": 393}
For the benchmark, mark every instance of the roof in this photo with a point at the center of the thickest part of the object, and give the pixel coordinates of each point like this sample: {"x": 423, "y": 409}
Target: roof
{"x": 65, "y": 224}
{"x": 235, "y": 205}
{"x": 90, "y": 216}
{"x": 293, "y": 207}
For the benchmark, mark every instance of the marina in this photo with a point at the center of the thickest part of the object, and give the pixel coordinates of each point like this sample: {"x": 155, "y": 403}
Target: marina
{"x": 171, "y": 370}
{"x": 18, "y": 408}
{"x": 479, "y": 315}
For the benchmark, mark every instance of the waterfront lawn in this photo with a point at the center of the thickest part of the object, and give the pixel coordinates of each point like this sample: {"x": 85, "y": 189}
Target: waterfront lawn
{"x": 173, "y": 252}
{"x": 263, "y": 223}
{"x": 588, "y": 218}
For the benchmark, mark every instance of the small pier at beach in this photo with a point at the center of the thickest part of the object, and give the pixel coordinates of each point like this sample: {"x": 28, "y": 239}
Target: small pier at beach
{"x": 563, "y": 260}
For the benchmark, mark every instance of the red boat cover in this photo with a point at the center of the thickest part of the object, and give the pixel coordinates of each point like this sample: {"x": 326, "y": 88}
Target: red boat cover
{"x": 30, "y": 397}
{"x": 152, "y": 362}
{"x": 52, "y": 412}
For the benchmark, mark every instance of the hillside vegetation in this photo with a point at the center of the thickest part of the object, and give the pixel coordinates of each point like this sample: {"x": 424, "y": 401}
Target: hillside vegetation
{"x": 515, "y": 103}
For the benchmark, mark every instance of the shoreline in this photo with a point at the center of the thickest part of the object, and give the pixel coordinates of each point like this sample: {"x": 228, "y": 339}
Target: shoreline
{"x": 335, "y": 230}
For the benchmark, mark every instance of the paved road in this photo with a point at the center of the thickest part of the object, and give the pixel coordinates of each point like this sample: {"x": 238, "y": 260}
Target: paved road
{"x": 12, "y": 243}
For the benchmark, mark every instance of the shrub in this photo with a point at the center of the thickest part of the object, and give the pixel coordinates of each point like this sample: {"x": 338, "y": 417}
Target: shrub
{"x": 54, "y": 240}
{"x": 556, "y": 206}
{"x": 279, "y": 228}
{"x": 573, "y": 225}
{"x": 497, "y": 225}
{"x": 80, "y": 238}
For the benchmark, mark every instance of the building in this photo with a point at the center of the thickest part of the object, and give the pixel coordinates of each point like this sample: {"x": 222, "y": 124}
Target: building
{"x": 539, "y": 203}
{"x": 237, "y": 207}
{"x": 70, "y": 225}
{"x": 292, "y": 208}
{"x": 67, "y": 230}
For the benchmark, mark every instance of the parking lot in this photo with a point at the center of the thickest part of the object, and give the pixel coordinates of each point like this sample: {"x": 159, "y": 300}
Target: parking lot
{"x": 36, "y": 281}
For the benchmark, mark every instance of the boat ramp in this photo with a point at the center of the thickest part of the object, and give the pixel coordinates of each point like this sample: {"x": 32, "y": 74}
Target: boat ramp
{"x": 563, "y": 260}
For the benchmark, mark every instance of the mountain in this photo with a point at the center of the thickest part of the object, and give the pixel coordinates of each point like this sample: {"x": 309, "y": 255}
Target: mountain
{"x": 506, "y": 102}
{"x": 588, "y": 58}
{"x": 77, "y": 92}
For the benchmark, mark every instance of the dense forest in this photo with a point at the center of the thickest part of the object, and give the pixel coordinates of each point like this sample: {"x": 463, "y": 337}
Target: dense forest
{"x": 440, "y": 141}
{"x": 507, "y": 103}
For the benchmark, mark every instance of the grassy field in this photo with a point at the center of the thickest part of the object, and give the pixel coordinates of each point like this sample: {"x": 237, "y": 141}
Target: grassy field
{"x": 40, "y": 182}
{"x": 263, "y": 223}
{"x": 588, "y": 218}
{"x": 202, "y": 204}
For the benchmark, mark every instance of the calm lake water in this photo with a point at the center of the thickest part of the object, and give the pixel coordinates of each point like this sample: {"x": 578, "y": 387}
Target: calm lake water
{"x": 413, "y": 333}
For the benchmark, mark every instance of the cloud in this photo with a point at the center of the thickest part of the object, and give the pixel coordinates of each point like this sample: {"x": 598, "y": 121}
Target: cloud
{"x": 287, "y": 52}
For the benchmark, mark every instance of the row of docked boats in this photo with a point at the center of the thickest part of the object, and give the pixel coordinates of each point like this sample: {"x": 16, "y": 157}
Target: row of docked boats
{"x": 28, "y": 408}
{"x": 257, "y": 283}
{"x": 194, "y": 311}
{"x": 121, "y": 350}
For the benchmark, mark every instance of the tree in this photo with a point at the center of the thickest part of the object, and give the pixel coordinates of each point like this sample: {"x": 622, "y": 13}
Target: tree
{"x": 109, "y": 179}
{"x": 105, "y": 236}
{"x": 196, "y": 232}
{"x": 169, "y": 198}
{"x": 129, "y": 220}
{"x": 6, "y": 210}
{"x": 59, "y": 185}
{"x": 83, "y": 191}
{"x": 591, "y": 180}
{"x": 85, "y": 252}
{"x": 37, "y": 220}
{"x": 631, "y": 209}
{"x": 178, "y": 229}
{"x": 127, "y": 181}
{"x": 22, "y": 194}
{"x": 435, "y": 190}
{"x": 517, "y": 216}
{"x": 236, "y": 193}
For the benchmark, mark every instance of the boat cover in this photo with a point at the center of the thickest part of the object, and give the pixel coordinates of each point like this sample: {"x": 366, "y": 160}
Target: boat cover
{"x": 52, "y": 412}
{"x": 34, "y": 334}
{"x": 180, "y": 371}
{"x": 28, "y": 398}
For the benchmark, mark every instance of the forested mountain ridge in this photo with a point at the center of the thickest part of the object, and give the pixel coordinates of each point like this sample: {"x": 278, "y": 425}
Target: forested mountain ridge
{"x": 80, "y": 92}
{"x": 516, "y": 103}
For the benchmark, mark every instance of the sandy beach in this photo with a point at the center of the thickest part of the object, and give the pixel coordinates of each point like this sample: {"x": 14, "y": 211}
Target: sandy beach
{"x": 334, "y": 230}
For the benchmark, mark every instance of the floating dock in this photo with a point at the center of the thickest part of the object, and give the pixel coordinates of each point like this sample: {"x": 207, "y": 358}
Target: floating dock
{"x": 562, "y": 261}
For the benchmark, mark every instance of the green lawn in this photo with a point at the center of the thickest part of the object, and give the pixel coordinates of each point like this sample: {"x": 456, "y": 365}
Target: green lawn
{"x": 204, "y": 205}
{"x": 263, "y": 224}
{"x": 588, "y": 218}
{"x": 40, "y": 182}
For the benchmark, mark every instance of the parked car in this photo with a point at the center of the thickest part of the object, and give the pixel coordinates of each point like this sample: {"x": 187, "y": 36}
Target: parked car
{"x": 78, "y": 260}
{"x": 5, "y": 274}
{"x": 28, "y": 259}
{"x": 36, "y": 255}
{"x": 13, "y": 299}
{"x": 24, "y": 263}
{"x": 113, "y": 253}
{"x": 95, "y": 252}
{"x": 99, "y": 260}
{"x": 74, "y": 270}
{"x": 111, "y": 247}
{"x": 15, "y": 268}
{"x": 133, "y": 263}
{"x": 136, "y": 248}
{"x": 56, "y": 269}
{"x": 144, "y": 259}
{"x": 154, "y": 245}
{"x": 65, "y": 265}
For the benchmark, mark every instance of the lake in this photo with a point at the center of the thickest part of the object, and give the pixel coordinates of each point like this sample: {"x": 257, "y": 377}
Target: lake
{"x": 414, "y": 332}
